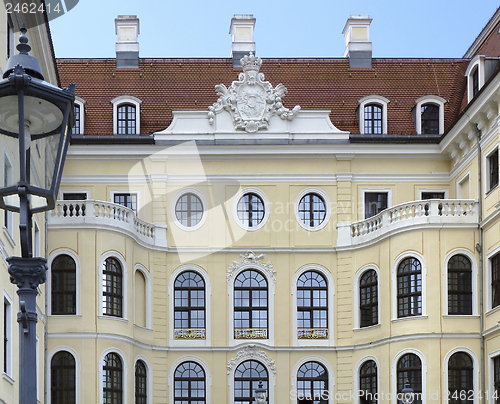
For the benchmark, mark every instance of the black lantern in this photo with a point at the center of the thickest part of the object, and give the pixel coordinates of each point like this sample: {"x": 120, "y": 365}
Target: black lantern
{"x": 260, "y": 394}
{"x": 407, "y": 394}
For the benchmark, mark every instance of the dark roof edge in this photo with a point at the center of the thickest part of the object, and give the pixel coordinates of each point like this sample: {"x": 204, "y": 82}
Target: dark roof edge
{"x": 395, "y": 138}
{"x": 469, "y": 54}
{"x": 115, "y": 139}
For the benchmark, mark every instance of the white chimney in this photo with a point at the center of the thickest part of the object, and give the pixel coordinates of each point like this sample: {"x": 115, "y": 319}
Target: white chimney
{"x": 358, "y": 47}
{"x": 127, "y": 47}
{"x": 241, "y": 30}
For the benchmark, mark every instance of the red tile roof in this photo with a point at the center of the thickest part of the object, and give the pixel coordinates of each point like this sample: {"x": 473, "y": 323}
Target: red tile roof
{"x": 171, "y": 84}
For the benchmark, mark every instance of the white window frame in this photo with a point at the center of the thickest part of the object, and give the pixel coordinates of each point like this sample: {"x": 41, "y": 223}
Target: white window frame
{"x": 204, "y": 203}
{"x": 127, "y": 99}
{"x": 265, "y": 201}
{"x": 356, "y": 376}
{"x": 199, "y": 361}
{"x": 487, "y": 155}
{"x": 7, "y": 300}
{"x": 9, "y": 215}
{"x": 48, "y": 283}
{"x": 429, "y": 99}
{"x": 356, "y": 299}
{"x": 475, "y": 373}
{"x": 81, "y": 103}
{"x": 270, "y": 305}
{"x": 397, "y": 261}
{"x": 208, "y": 297}
{"x": 121, "y": 260}
{"x": 37, "y": 238}
{"x": 137, "y": 194}
{"x": 48, "y": 375}
{"x": 372, "y": 99}
{"x": 326, "y": 365}
{"x": 474, "y": 274}
{"x": 394, "y": 373}
{"x": 328, "y": 210}
{"x": 491, "y": 375}
{"x": 149, "y": 293}
{"x": 149, "y": 378}
{"x": 124, "y": 374}
{"x": 375, "y": 190}
{"x": 270, "y": 373}
{"x": 459, "y": 185}
{"x": 477, "y": 61}
{"x": 489, "y": 289}
{"x": 330, "y": 341}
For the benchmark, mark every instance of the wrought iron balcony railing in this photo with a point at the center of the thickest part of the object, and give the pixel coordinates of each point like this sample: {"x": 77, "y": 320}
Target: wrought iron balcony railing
{"x": 250, "y": 333}
{"x": 312, "y": 333}
{"x": 189, "y": 333}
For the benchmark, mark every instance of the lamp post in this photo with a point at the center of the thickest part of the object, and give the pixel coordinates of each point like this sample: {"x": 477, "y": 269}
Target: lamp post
{"x": 407, "y": 394}
{"x": 31, "y": 109}
{"x": 260, "y": 394}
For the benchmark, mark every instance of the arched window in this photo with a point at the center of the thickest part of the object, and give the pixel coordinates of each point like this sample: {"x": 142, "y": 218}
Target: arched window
{"x": 429, "y": 119}
{"x": 459, "y": 285}
{"x": 312, "y": 306}
{"x": 312, "y": 210}
{"x": 247, "y": 376}
{"x": 189, "y": 384}
{"x": 368, "y": 298}
{"x": 460, "y": 378}
{"x": 126, "y": 119}
{"x": 189, "y": 306}
{"x": 409, "y": 288}
{"x": 140, "y": 383}
{"x": 76, "y": 113}
{"x": 140, "y": 299}
{"x": 112, "y": 288}
{"x": 250, "y": 210}
{"x": 373, "y": 119}
{"x": 410, "y": 369}
{"x": 63, "y": 285}
{"x": 250, "y": 305}
{"x": 63, "y": 378}
{"x": 368, "y": 382}
{"x": 312, "y": 384}
{"x": 112, "y": 390}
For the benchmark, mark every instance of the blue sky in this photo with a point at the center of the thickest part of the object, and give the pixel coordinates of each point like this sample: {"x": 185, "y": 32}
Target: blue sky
{"x": 294, "y": 28}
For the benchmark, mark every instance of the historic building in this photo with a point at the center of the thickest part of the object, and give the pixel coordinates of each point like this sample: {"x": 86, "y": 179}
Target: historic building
{"x": 329, "y": 227}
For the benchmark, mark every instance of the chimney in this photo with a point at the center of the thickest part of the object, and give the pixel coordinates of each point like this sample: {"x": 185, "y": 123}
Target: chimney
{"x": 127, "y": 47}
{"x": 241, "y": 30}
{"x": 358, "y": 47}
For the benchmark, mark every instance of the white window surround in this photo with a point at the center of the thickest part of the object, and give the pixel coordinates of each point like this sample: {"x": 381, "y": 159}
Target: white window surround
{"x": 486, "y": 166}
{"x": 149, "y": 293}
{"x": 475, "y": 294}
{"x": 326, "y": 365}
{"x": 8, "y": 300}
{"x": 149, "y": 378}
{"x": 489, "y": 291}
{"x": 124, "y": 373}
{"x": 475, "y": 373}
{"x": 38, "y": 370}
{"x": 443, "y": 190}
{"x": 429, "y": 99}
{"x": 270, "y": 305}
{"x": 137, "y": 194}
{"x": 36, "y": 238}
{"x": 265, "y": 201}
{"x": 116, "y": 255}
{"x": 465, "y": 177}
{"x": 199, "y": 361}
{"x": 356, "y": 376}
{"x": 208, "y": 297}
{"x": 372, "y": 99}
{"x": 81, "y": 103}
{"x": 491, "y": 376}
{"x": 397, "y": 261}
{"x": 48, "y": 281}
{"x": 476, "y": 62}
{"x": 127, "y": 99}
{"x": 9, "y": 215}
{"x": 204, "y": 203}
{"x": 377, "y": 190}
{"x": 270, "y": 374}
{"x": 48, "y": 374}
{"x": 394, "y": 374}
{"x": 330, "y": 293}
{"x": 328, "y": 208}
{"x": 356, "y": 300}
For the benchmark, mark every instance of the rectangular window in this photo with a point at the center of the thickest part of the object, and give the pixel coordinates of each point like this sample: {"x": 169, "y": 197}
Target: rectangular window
{"x": 475, "y": 82}
{"x": 375, "y": 202}
{"x": 126, "y": 199}
{"x": 36, "y": 240}
{"x": 75, "y": 196}
{"x": 495, "y": 281}
{"x": 7, "y": 336}
{"x": 8, "y": 180}
{"x": 493, "y": 170}
{"x": 433, "y": 195}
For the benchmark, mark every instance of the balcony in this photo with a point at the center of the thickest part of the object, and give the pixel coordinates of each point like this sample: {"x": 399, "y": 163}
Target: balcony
{"x": 427, "y": 214}
{"x": 91, "y": 214}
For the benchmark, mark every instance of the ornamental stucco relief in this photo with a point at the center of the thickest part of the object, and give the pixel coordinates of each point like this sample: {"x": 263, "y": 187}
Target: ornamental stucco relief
{"x": 251, "y": 258}
{"x": 251, "y": 352}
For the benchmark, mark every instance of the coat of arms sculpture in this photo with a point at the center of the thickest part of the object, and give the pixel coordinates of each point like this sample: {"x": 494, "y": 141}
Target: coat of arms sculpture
{"x": 251, "y": 101}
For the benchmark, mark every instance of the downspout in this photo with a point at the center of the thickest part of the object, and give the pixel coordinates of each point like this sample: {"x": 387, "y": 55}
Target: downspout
{"x": 479, "y": 248}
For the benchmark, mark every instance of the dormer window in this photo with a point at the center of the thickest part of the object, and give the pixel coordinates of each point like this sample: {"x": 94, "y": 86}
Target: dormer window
{"x": 428, "y": 115}
{"x": 372, "y": 115}
{"x": 126, "y": 115}
{"x": 79, "y": 114}
{"x": 475, "y": 73}
{"x": 475, "y": 82}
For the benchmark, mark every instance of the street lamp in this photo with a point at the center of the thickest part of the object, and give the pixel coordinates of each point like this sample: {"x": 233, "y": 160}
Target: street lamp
{"x": 260, "y": 394}
{"x": 31, "y": 109}
{"x": 407, "y": 393}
